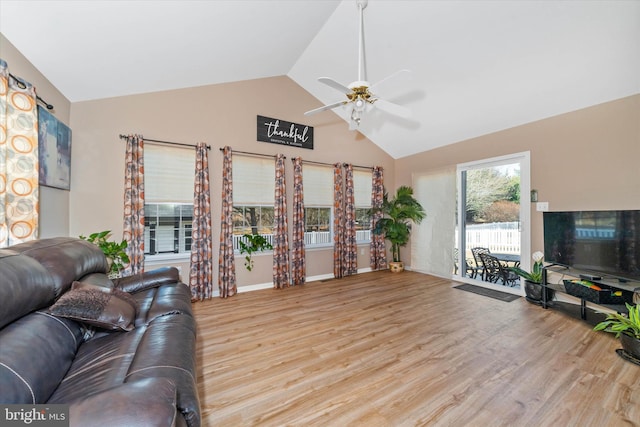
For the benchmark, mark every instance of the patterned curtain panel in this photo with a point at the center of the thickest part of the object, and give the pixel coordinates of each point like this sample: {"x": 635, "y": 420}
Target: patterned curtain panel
{"x": 133, "y": 220}
{"x": 201, "y": 269}
{"x": 18, "y": 160}
{"x": 350, "y": 250}
{"x": 338, "y": 222}
{"x": 280, "y": 230}
{"x": 378, "y": 251}
{"x": 227, "y": 266}
{"x": 298, "y": 256}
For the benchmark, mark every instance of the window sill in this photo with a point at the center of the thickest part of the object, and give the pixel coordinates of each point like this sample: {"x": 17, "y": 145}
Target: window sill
{"x": 163, "y": 258}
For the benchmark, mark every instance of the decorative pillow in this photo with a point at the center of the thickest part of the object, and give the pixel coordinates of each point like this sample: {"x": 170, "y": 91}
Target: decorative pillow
{"x": 107, "y": 310}
{"x": 115, "y": 291}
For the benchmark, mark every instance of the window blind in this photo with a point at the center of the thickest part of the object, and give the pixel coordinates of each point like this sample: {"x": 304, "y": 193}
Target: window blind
{"x": 362, "y": 187}
{"x": 168, "y": 174}
{"x": 253, "y": 181}
{"x": 317, "y": 182}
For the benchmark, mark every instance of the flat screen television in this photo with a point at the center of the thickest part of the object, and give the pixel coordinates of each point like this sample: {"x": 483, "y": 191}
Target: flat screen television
{"x": 604, "y": 242}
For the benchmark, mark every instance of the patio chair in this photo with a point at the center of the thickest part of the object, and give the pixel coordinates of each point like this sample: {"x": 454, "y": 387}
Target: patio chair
{"x": 495, "y": 271}
{"x": 479, "y": 266}
{"x": 469, "y": 268}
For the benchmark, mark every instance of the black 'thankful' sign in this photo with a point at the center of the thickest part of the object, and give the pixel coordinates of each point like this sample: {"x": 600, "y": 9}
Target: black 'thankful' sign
{"x": 278, "y": 131}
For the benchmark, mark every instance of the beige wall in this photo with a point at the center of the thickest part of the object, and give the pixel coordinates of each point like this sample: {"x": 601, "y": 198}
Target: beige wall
{"x": 54, "y": 203}
{"x": 220, "y": 115}
{"x": 587, "y": 159}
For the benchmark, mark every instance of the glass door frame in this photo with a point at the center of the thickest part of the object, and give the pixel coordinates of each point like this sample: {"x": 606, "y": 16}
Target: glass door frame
{"x": 524, "y": 159}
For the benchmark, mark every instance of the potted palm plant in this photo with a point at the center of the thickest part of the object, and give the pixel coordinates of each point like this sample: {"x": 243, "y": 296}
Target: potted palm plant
{"x": 626, "y": 327}
{"x": 533, "y": 280}
{"x": 115, "y": 252}
{"x": 398, "y": 214}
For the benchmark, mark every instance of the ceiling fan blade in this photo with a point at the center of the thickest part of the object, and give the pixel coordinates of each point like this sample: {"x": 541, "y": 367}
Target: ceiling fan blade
{"x": 391, "y": 108}
{"x": 334, "y": 84}
{"x": 325, "y": 107}
{"x": 374, "y": 87}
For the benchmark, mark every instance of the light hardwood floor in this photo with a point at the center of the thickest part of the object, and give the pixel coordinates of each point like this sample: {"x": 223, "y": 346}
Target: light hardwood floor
{"x": 383, "y": 349}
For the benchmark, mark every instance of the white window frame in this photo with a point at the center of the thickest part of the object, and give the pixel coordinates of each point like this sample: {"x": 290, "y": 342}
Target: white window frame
{"x": 368, "y": 179}
{"x": 307, "y": 237}
{"x": 322, "y": 198}
{"x": 173, "y": 165}
{"x": 268, "y": 236}
{"x": 524, "y": 158}
{"x": 257, "y": 169}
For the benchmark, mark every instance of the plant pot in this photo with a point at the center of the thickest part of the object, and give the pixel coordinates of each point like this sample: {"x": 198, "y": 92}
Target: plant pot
{"x": 396, "y": 267}
{"x": 630, "y": 345}
{"x": 533, "y": 292}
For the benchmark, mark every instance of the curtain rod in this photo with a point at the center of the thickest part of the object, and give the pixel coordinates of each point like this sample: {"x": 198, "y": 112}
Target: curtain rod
{"x": 333, "y": 164}
{"x": 166, "y": 142}
{"x": 360, "y": 167}
{"x": 316, "y": 163}
{"x": 247, "y": 153}
{"x": 22, "y": 85}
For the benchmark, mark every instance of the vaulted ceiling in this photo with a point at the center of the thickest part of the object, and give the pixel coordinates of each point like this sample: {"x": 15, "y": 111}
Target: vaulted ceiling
{"x": 476, "y": 66}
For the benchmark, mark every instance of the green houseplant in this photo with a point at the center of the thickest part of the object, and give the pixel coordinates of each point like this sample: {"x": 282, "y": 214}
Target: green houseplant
{"x": 398, "y": 214}
{"x": 625, "y": 327}
{"x": 532, "y": 280}
{"x": 251, "y": 243}
{"x": 115, "y": 252}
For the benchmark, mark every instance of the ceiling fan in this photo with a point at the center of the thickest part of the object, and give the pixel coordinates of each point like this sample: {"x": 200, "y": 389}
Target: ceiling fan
{"x": 360, "y": 94}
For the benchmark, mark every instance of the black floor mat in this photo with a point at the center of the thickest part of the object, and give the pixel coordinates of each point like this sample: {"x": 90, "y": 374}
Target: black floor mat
{"x": 502, "y": 296}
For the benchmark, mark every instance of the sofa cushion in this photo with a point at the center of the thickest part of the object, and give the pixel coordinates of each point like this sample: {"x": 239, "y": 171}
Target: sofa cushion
{"x": 149, "y": 402}
{"x": 35, "y": 354}
{"x": 147, "y": 280}
{"x": 168, "y": 350}
{"x": 25, "y": 286}
{"x": 100, "y": 279}
{"x": 100, "y": 364}
{"x": 167, "y": 299}
{"x": 108, "y": 309}
{"x": 65, "y": 258}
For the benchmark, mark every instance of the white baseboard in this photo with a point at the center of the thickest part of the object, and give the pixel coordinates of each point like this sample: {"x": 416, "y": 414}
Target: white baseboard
{"x": 269, "y": 285}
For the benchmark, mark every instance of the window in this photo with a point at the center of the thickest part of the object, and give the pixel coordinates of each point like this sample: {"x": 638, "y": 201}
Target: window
{"x": 252, "y": 219}
{"x": 168, "y": 209}
{"x": 318, "y": 204}
{"x": 253, "y": 197}
{"x": 362, "y": 188}
{"x": 167, "y": 228}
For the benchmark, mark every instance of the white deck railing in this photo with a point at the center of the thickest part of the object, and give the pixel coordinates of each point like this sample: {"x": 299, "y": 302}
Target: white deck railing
{"x": 311, "y": 238}
{"x": 499, "y": 237}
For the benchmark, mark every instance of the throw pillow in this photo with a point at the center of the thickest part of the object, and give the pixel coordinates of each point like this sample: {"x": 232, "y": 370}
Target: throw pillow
{"x": 94, "y": 307}
{"x": 115, "y": 291}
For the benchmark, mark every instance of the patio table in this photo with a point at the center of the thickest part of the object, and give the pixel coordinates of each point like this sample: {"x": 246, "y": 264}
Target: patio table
{"x": 513, "y": 259}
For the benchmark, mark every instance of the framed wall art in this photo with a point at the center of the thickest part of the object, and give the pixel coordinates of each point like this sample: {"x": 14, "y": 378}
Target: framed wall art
{"x": 54, "y": 151}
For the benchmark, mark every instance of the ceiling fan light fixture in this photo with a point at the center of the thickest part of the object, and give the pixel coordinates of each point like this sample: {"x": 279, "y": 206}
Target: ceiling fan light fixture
{"x": 356, "y": 116}
{"x": 357, "y": 92}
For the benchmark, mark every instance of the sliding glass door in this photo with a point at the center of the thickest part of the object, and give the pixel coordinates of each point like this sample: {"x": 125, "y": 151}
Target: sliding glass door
{"x": 493, "y": 212}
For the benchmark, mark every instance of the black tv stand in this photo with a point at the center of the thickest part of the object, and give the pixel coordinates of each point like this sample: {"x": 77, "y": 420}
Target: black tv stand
{"x": 626, "y": 286}
{"x": 590, "y": 277}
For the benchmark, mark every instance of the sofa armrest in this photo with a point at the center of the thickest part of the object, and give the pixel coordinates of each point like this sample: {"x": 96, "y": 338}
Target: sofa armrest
{"x": 148, "y": 402}
{"x": 148, "y": 279}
